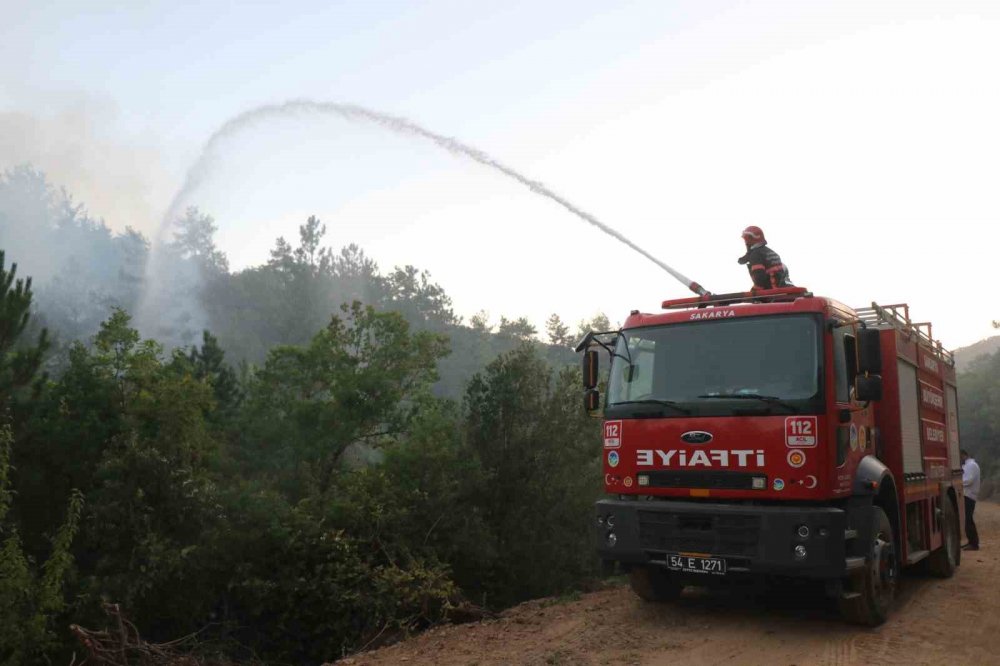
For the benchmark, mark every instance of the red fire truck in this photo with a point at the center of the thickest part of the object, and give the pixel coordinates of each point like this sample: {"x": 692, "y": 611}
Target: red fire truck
{"x": 777, "y": 434}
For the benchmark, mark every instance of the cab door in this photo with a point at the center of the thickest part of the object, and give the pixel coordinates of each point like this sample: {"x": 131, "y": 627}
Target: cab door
{"x": 853, "y": 421}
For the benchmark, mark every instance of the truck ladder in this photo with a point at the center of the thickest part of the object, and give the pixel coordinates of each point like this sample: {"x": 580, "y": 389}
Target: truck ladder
{"x": 897, "y": 316}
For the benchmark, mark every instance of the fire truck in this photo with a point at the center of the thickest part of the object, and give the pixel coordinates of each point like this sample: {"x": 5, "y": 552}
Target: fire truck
{"x": 774, "y": 434}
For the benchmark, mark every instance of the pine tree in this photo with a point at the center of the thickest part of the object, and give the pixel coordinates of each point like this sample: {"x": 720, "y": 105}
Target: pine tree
{"x": 558, "y": 331}
{"x": 18, "y": 364}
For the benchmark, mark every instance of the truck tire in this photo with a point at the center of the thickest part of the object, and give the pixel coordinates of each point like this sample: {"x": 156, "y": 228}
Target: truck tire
{"x": 945, "y": 560}
{"x": 652, "y": 583}
{"x": 869, "y": 595}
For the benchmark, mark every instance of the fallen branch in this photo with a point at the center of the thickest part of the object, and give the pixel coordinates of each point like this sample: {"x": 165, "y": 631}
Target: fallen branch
{"x": 123, "y": 646}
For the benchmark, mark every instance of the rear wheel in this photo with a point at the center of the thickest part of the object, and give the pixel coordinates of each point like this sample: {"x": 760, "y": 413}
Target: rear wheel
{"x": 652, "y": 583}
{"x": 945, "y": 560}
{"x": 870, "y": 594}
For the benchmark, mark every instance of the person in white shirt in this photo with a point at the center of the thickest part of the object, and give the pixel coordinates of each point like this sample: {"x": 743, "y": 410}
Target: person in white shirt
{"x": 970, "y": 479}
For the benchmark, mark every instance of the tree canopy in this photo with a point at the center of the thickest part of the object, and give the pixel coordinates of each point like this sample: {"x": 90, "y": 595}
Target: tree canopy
{"x": 332, "y": 461}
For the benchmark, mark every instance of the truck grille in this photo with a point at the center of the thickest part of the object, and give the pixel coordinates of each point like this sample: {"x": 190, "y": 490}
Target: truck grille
{"x": 735, "y": 535}
{"x": 700, "y": 479}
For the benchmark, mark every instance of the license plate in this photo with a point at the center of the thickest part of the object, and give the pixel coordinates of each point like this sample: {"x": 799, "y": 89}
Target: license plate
{"x": 702, "y": 565}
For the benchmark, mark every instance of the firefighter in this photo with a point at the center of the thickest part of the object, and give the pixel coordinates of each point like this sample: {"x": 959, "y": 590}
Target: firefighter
{"x": 764, "y": 264}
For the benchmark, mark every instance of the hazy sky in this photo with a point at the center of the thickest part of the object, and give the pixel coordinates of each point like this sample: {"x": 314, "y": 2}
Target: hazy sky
{"x": 863, "y": 137}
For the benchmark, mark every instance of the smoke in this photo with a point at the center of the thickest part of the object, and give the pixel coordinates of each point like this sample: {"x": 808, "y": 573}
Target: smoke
{"x": 75, "y": 141}
{"x": 57, "y": 151}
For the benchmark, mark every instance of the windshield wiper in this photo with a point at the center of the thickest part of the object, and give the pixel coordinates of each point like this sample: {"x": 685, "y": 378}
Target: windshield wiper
{"x": 664, "y": 403}
{"x": 770, "y": 399}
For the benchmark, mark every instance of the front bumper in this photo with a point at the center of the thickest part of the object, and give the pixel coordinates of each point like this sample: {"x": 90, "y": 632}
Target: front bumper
{"x": 752, "y": 539}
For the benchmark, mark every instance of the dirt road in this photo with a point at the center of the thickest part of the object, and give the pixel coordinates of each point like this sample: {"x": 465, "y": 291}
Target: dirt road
{"x": 955, "y": 621}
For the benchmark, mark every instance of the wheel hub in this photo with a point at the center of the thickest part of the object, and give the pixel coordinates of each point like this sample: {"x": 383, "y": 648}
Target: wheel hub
{"x": 884, "y": 565}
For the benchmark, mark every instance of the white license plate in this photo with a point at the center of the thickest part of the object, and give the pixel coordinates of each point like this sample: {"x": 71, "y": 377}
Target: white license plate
{"x": 702, "y": 565}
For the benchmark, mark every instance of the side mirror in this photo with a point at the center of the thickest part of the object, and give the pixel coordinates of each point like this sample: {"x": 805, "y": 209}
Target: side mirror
{"x": 592, "y": 400}
{"x": 868, "y": 388}
{"x": 590, "y": 363}
{"x": 869, "y": 352}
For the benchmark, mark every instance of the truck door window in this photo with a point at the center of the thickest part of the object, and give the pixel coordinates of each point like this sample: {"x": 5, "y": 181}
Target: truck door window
{"x": 851, "y": 356}
{"x": 843, "y": 384}
{"x": 845, "y": 363}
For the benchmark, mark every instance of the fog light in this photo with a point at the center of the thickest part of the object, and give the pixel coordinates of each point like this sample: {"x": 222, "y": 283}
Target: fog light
{"x": 800, "y": 552}
{"x": 611, "y": 521}
{"x": 759, "y": 482}
{"x": 612, "y": 539}
{"x": 803, "y": 531}
{"x": 643, "y": 479}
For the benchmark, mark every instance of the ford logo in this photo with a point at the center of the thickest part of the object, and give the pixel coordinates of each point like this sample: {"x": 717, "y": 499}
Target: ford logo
{"x": 697, "y": 437}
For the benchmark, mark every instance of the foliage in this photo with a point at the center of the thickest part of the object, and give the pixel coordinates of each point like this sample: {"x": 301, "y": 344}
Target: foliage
{"x": 208, "y": 364}
{"x": 979, "y": 414}
{"x": 18, "y": 364}
{"x": 540, "y": 474}
{"x": 364, "y": 471}
{"x": 519, "y": 329}
{"x": 333, "y": 591}
{"x": 480, "y": 322}
{"x": 558, "y": 332}
{"x": 30, "y": 599}
{"x": 598, "y": 323}
{"x": 194, "y": 240}
{"x": 350, "y": 384}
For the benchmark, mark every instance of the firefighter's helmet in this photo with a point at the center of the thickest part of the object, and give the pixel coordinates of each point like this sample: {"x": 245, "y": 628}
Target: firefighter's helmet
{"x": 753, "y": 235}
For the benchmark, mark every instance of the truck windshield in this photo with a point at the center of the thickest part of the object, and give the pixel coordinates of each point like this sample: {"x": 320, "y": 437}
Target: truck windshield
{"x": 717, "y": 367}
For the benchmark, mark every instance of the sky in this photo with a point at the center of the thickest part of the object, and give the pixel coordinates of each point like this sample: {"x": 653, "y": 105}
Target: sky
{"x": 863, "y": 137}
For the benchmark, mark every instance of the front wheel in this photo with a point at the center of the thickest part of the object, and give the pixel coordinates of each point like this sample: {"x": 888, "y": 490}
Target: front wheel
{"x": 869, "y": 597}
{"x": 651, "y": 583}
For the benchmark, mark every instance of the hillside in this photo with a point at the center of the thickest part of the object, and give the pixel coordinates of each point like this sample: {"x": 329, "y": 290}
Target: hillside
{"x": 964, "y": 356}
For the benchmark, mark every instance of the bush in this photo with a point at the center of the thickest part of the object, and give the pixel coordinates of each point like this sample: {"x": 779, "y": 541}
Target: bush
{"x": 30, "y": 600}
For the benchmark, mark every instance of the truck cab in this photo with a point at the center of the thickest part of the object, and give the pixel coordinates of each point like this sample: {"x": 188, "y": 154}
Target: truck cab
{"x": 752, "y": 435}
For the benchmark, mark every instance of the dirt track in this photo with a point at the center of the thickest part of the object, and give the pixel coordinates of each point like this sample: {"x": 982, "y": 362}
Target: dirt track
{"x": 954, "y": 621}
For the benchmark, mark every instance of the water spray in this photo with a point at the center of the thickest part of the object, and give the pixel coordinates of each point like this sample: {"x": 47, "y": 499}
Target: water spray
{"x": 400, "y": 126}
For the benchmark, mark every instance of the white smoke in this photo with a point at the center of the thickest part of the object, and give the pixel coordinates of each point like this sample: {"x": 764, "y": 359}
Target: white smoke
{"x": 77, "y": 142}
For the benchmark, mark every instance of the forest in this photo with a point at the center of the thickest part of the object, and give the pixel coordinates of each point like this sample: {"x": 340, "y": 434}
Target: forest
{"x": 334, "y": 461}
{"x": 316, "y": 457}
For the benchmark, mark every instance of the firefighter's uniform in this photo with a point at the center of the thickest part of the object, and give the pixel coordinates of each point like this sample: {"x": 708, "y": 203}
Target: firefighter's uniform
{"x": 766, "y": 268}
